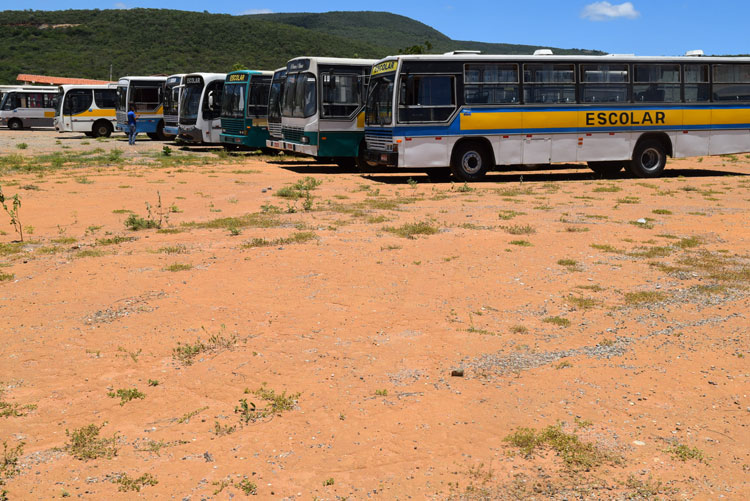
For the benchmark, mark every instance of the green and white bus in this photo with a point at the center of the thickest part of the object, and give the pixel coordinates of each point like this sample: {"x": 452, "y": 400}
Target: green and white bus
{"x": 474, "y": 113}
{"x": 244, "y": 109}
{"x": 322, "y": 108}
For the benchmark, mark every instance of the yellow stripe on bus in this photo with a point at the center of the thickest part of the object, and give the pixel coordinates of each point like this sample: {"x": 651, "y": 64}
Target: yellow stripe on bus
{"x": 97, "y": 113}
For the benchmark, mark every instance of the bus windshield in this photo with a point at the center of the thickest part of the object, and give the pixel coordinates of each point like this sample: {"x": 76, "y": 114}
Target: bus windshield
{"x": 190, "y": 103}
{"x": 379, "y": 109}
{"x": 122, "y": 96}
{"x": 171, "y": 98}
{"x": 233, "y": 100}
{"x": 274, "y": 97}
{"x": 300, "y": 96}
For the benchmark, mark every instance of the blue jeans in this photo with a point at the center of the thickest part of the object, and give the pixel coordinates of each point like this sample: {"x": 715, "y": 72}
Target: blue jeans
{"x": 131, "y": 135}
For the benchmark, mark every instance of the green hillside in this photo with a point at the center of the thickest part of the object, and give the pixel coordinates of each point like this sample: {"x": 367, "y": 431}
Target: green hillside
{"x": 84, "y": 43}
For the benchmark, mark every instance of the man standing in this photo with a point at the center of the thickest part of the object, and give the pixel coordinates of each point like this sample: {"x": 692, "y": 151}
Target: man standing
{"x": 131, "y": 126}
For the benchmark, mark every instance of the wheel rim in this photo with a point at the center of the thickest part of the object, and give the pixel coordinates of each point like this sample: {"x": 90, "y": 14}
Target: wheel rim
{"x": 471, "y": 162}
{"x": 650, "y": 159}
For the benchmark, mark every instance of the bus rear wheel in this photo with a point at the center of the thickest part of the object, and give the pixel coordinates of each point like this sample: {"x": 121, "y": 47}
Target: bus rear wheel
{"x": 470, "y": 161}
{"x": 606, "y": 169}
{"x": 102, "y": 129}
{"x": 649, "y": 159}
{"x": 15, "y": 124}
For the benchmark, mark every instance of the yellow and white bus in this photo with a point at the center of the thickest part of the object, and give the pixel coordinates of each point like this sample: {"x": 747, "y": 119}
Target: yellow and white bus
{"x": 86, "y": 108}
{"x": 474, "y": 113}
{"x": 28, "y": 107}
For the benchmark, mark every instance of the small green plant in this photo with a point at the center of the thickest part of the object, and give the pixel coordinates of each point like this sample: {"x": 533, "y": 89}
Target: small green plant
{"x": 607, "y": 189}
{"x": 683, "y": 453}
{"x": 521, "y": 243}
{"x": 328, "y": 481}
{"x": 247, "y": 487}
{"x": 276, "y": 404}
{"x": 153, "y": 382}
{"x": 577, "y": 455}
{"x": 190, "y": 415}
{"x": 15, "y": 219}
{"x": 166, "y": 151}
{"x": 663, "y": 212}
{"x": 299, "y": 189}
{"x": 221, "y": 430}
{"x": 519, "y": 329}
{"x": 381, "y": 393}
{"x": 186, "y": 353}
{"x": 9, "y": 465}
{"x": 606, "y": 343}
{"x": 116, "y": 240}
{"x": 559, "y": 321}
{"x": 178, "y": 267}
{"x": 22, "y": 146}
{"x": 7, "y": 277}
{"x": 85, "y": 443}
{"x": 412, "y": 182}
{"x": 155, "y": 217}
{"x": 465, "y": 188}
{"x": 519, "y": 229}
{"x": 409, "y": 230}
{"x": 126, "y": 395}
{"x": 127, "y": 484}
{"x": 643, "y": 297}
{"x": 509, "y": 214}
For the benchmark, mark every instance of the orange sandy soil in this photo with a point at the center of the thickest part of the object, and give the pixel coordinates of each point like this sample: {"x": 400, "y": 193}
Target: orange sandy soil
{"x": 367, "y": 326}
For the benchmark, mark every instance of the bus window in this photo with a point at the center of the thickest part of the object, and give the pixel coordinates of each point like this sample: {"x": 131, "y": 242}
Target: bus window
{"x": 656, "y": 83}
{"x": 426, "y": 98}
{"x": 105, "y": 98}
{"x": 257, "y": 103}
{"x": 696, "y": 83}
{"x": 549, "y": 83}
{"x": 491, "y": 84}
{"x": 77, "y": 101}
{"x": 604, "y": 83}
{"x": 341, "y": 96}
{"x": 145, "y": 98}
{"x": 731, "y": 82}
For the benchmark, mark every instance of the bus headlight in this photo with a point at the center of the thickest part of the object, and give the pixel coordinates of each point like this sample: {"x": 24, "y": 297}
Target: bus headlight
{"x": 305, "y": 140}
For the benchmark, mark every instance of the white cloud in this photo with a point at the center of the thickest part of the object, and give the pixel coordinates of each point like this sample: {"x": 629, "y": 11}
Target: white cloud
{"x": 250, "y": 12}
{"x": 120, "y": 5}
{"x": 605, "y": 11}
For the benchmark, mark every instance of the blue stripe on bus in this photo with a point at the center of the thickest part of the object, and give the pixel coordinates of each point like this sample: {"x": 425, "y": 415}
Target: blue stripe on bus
{"x": 453, "y": 131}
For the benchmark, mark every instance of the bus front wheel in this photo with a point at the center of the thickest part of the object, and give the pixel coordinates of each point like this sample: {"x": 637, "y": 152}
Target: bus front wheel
{"x": 649, "y": 159}
{"x": 470, "y": 161}
{"x": 15, "y": 124}
{"x": 606, "y": 169}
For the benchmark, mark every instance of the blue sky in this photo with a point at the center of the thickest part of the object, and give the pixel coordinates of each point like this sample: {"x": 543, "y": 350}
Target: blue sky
{"x": 643, "y": 27}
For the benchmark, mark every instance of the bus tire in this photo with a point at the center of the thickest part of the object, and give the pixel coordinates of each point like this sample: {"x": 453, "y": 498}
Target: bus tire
{"x": 438, "y": 174}
{"x": 470, "y": 161}
{"x": 15, "y": 124}
{"x": 649, "y": 159}
{"x": 606, "y": 169}
{"x": 102, "y": 128}
{"x": 152, "y": 136}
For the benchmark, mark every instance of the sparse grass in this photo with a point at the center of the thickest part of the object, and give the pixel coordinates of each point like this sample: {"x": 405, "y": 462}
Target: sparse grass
{"x": 570, "y": 264}
{"x": 173, "y": 249}
{"x": 127, "y": 484}
{"x": 222, "y": 430}
{"x": 644, "y": 297}
{"x": 409, "y": 230}
{"x": 584, "y": 303}
{"x": 683, "y": 453}
{"x": 577, "y": 229}
{"x": 126, "y": 395}
{"x": 521, "y": 243}
{"x": 518, "y": 229}
{"x": 646, "y": 489}
{"x": 590, "y": 287}
{"x": 89, "y": 253}
{"x": 611, "y": 188}
{"x": 247, "y": 487}
{"x": 519, "y": 329}
{"x": 559, "y": 321}
{"x": 651, "y": 252}
{"x": 8, "y": 409}
{"x": 381, "y": 393}
{"x": 296, "y": 238}
{"x": 116, "y": 240}
{"x": 663, "y": 212}
{"x": 606, "y": 343}
{"x": 186, "y": 353}
{"x": 7, "y": 277}
{"x": 328, "y": 481}
{"x": 178, "y": 267}
{"x": 300, "y": 189}
{"x": 9, "y": 465}
{"x": 276, "y": 404}
{"x": 577, "y": 455}
{"x": 190, "y": 415}
{"x": 629, "y": 200}
{"x": 689, "y": 242}
{"x": 85, "y": 443}
{"x": 563, "y": 365}
{"x": 135, "y": 222}
{"x": 607, "y": 248}
{"x": 254, "y": 220}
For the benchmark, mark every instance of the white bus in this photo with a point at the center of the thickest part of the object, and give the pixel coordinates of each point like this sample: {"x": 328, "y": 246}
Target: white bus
{"x": 87, "y": 108}
{"x": 322, "y": 108}
{"x": 172, "y": 90}
{"x": 28, "y": 107}
{"x": 200, "y": 108}
{"x": 474, "y": 113}
{"x": 145, "y": 95}
{"x": 274, "y": 103}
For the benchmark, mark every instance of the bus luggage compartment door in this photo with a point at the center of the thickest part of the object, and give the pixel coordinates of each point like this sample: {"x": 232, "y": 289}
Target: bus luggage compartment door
{"x": 537, "y": 149}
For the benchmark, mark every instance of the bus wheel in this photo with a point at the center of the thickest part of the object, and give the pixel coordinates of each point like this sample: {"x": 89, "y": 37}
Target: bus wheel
{"x": 102, "y": 129}
{"x": 15, "y": 124}
{"x": 470, "y": 161}
{"x": 152, "y": 135}
{"x": 438, "y": 174}
{"x": 649, "y": 159}
{"x": 606, "y": 169}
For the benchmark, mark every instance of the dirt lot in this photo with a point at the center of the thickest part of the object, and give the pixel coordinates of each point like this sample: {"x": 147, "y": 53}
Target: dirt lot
{"x": 297, "y": 331}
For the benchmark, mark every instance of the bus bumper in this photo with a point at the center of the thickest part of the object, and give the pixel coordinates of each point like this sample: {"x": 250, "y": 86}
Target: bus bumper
{"x": 381, "y": 158}
{"x": 305, "y": 149}
{"x": 171, "y": 130}
{"x": 190, "y": 135}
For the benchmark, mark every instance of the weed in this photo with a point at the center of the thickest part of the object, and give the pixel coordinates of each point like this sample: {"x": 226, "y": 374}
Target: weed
{"x": 7, "y": 277}
{"x": 85, "y": 443}
{"x": 649, "y": 488}
{"x": 559, "y": 321}
{"x": 408, "y": 230}
{"x": 178, "y": 267}
{"x": 22, "y": 146}
{"x": 683, "y": 453}
{"x": 126, "y": 395}
{"x": 89, "y": 253}
{"x": 629, "y": 200}
{"x": 570, "y": 263}
{"x": 651, "y": 252}
{"x": 220, "y": 430}
{"x": 518, "y": 329}
{"x": 643, "y": 297}
{"x": 592, "y": 287}
{"x": 411, "y": 182}
{"x": 381, "y": 393}
{"x": 247, "y": 487}
{"x": 328, "y": 481}
{"x": 116, "y": 240}
{"x": 127, "y": 484}
{"x": 153, "y": 382}
{"x": 174, "y": 249}
{"x": 607, "y": 189}
{"x": 521, "y": 243}
{"x": 518, "y": 229}
{"x": 663, "y": 212}
{"x": 296, "y": 238}
{"x": 186, "y": 353}
{"x": 606, "y": 342}
{"x": 646, "y": 224}
{"x": 299, "y": 189}
{"x": 83, "y": 180}
{"x": 190, "y": 415}
{"x": 166, "y": 151}
{"x": 575, "y": 454}
{"x": 577, "y": 229}
{"x": 607, "y": 248}
{"x": 585, "y": 303}
{"x": 563, "y": 365}
{"x": 133, "y": 354}
{"x": 465, "y": 188}
{"x": 276, "y": 404}
{"x": 155, "y": 217}
{"x": 15, "y": 219}
{"x": 9, "y": 465}
{"x": 689, "y": 242}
